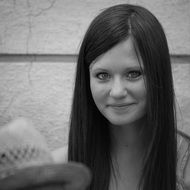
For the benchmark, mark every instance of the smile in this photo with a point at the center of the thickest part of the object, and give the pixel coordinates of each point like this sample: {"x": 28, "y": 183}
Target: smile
{"x": 120, "y": 107}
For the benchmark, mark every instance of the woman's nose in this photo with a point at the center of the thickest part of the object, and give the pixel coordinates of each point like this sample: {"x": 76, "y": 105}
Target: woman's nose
{"x": 118, "y": 89}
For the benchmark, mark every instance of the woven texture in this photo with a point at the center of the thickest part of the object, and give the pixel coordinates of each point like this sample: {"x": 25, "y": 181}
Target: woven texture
{"x": 21, "y": 145}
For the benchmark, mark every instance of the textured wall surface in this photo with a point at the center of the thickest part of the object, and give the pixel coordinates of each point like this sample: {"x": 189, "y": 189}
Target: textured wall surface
{"x": 57, "y": 26}
{"x": 40, "y": 91}
{"x": 39, "y": 42}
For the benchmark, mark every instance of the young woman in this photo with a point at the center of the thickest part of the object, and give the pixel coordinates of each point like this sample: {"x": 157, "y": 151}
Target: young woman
{"x": 123, "y": 124}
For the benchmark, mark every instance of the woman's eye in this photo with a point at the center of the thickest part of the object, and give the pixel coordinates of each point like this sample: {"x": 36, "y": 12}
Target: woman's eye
{"x": 103, "y": 76}
{"x": 134, "y": 74}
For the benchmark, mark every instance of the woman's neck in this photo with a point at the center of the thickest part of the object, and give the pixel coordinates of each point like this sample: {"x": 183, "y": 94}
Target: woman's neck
{"x": 127, "y": 146}
{"x": 130, "y": 138}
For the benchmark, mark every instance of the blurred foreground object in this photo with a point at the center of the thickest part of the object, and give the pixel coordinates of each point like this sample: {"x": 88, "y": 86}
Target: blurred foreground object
{"x": 26, "y": 163}
{"x": 21, "y": 145}
{"x": 70, "y": 176}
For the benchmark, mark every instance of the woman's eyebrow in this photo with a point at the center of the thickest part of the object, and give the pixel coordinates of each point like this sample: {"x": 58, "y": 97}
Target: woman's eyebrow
{"x": 107, "y": 68}
{"x": 126, "y": 68}
{"x": 134, "y": 68}
{"x": 99, "y": 69}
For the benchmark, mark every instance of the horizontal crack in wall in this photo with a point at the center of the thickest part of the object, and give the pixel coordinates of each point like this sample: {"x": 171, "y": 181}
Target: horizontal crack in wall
{"x": 67, "y": 58}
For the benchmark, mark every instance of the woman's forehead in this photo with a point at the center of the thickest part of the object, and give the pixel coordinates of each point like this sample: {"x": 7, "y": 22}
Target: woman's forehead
{"x": 121, "y": 55}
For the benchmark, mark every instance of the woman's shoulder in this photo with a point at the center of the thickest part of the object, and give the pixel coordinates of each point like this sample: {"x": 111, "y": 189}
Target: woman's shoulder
{"x": 60, "y": 155}
{"x": 183, "y": 158}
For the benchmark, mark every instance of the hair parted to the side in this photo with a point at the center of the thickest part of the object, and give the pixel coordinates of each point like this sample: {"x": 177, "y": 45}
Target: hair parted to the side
{"x": 89, "y": 138}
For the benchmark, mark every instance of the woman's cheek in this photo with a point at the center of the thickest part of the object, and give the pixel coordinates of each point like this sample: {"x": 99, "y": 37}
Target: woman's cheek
{"x": 139, "y": 91}
{"x": 99, "y": 93}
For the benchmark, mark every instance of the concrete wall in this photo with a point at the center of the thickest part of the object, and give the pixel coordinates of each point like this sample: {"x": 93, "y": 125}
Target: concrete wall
{"x": 39, "y": 42}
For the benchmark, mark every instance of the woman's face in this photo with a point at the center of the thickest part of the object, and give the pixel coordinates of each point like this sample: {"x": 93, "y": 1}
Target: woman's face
{"x": 118, "y": 85}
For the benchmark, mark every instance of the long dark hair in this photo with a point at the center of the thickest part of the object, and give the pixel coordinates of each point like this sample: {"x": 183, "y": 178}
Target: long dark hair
{"x": 89, "y": 138}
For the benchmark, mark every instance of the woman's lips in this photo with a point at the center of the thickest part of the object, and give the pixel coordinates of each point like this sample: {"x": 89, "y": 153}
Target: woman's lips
{"x": 120, "y": 107}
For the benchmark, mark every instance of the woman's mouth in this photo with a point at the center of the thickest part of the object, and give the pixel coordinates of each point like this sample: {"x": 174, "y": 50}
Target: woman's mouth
{"x": 121, "y": 107}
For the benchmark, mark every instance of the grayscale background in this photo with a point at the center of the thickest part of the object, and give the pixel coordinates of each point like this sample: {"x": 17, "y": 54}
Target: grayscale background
{"x": 39, "y": 43}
